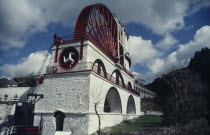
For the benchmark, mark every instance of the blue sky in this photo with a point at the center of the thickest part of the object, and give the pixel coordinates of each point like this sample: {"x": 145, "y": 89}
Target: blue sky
{"x": 164, "y": 34}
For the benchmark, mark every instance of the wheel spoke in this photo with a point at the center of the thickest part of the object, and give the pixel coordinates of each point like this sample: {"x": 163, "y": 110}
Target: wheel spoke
{"x": 98, "y": 24}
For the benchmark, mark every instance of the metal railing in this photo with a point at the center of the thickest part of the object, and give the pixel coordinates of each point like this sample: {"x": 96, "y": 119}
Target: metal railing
{"x": 79, "y": 67}
{"x": 88, "y": 66}
{"x": 114, "y": 80}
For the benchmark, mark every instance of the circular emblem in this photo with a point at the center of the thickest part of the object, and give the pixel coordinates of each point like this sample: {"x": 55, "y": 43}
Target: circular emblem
{"x": 68, "y": 58}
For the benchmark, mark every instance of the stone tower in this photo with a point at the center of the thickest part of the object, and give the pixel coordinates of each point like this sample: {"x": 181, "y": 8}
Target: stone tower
{"x": 89, "y": 75}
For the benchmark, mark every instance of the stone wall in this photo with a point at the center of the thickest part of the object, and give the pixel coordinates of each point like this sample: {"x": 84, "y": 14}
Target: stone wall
{"x": 77, "y": 124}
{"x": 99, "y": 88}
{"x": 67, "y": 93}
{"x": 75, "y": 94}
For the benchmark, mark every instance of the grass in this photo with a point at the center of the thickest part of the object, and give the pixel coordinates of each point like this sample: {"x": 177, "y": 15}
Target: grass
{"x": 140, "y": 123}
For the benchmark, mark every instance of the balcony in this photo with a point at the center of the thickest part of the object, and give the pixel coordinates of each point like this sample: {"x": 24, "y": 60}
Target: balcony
{"x": 83, "y": 67}
{"x": 80, "y": 67}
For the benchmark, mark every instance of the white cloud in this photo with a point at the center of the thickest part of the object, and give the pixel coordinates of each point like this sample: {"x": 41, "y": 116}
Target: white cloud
{"x": 26, "y": 66}
{"x": 198, "y": 4}
{"x": 20, "y": 19}
{"x": 157, "y": 64}
{"x": 167, "y": 42}
{"x": 141, "y": 50}
{"x": 144, "y": 53}
{"x": 160, "y": 16}
{"x": 182, "y": 56}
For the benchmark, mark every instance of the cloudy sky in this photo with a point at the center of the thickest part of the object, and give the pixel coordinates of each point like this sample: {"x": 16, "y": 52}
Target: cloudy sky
{"x": 164, "y": 34}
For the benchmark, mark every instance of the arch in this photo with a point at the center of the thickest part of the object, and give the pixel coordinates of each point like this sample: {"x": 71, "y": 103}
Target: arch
{"x": 119, "y": 78}
{"x": 99, "y": 67}
{"x": 59, "y": 119}
{"x": 129, "y": 86}
{"x": 113, "y": 101}
{"x": 131, "y": 107}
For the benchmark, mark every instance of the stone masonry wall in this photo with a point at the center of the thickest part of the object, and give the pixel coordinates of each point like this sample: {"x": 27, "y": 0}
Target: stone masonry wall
{"x": 67, "y": 93}
{"x": 98, "y": 90}
{"x": 77, "y": 124}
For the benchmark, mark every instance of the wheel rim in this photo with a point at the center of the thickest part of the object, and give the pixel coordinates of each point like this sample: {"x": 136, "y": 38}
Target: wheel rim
{"x": 97, "y": 24}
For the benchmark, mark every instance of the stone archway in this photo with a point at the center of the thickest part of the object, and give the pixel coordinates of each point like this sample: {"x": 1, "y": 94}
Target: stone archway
{"x": 113, "y": 101}
{"x": 131, "y": 107}
{"x": 119, "y": 78}
{"x": 99, "y": 67}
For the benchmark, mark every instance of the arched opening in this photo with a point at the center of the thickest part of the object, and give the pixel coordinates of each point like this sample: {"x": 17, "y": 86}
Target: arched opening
{"x": 131, "y": 107}
{"x": 119, "y": 78}
{"x": 129, "y": 86}
{"x": 98, "y": 67}
{"x": 59, "y": 119}
{"x": 113, "y": 102}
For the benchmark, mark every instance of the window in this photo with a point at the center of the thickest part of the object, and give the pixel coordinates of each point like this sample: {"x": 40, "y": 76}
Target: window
{"x": 59, "y": 119}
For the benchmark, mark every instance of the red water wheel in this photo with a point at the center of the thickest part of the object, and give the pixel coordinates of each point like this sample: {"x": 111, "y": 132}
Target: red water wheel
{"x": 97, "y": 24}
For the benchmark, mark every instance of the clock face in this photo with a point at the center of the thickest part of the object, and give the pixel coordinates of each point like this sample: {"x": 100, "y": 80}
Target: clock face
{"x": 68, "y": 58}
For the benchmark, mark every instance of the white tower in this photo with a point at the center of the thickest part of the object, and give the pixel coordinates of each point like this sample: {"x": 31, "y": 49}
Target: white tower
{"x": 89, "y": 75}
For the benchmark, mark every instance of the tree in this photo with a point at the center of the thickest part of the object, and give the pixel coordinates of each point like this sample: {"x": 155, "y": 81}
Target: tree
{"x": 180, "y": 96}
{"x": 26, "y": 81}
{"x": 200, "y": 63}
{"x": 20, "y": 79}
{"x": 4, "y": 82}
{"x": 96, "y": 99}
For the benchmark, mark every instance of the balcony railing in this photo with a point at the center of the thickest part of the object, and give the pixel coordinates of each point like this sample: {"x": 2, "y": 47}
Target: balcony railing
{"x": 79, "y": 67}
{"x": 82, "y": 67}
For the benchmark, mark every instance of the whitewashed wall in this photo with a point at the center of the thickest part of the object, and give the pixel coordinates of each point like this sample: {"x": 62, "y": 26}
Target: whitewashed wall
{"x": 77, "y": 124}
{"x": 99, "y": 88}
{"x": 74, "y": 94}
{"x": 67, "y": 93}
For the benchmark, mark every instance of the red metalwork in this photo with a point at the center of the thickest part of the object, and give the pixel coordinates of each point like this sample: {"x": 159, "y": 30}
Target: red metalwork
{"x": 97, "y": 24}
